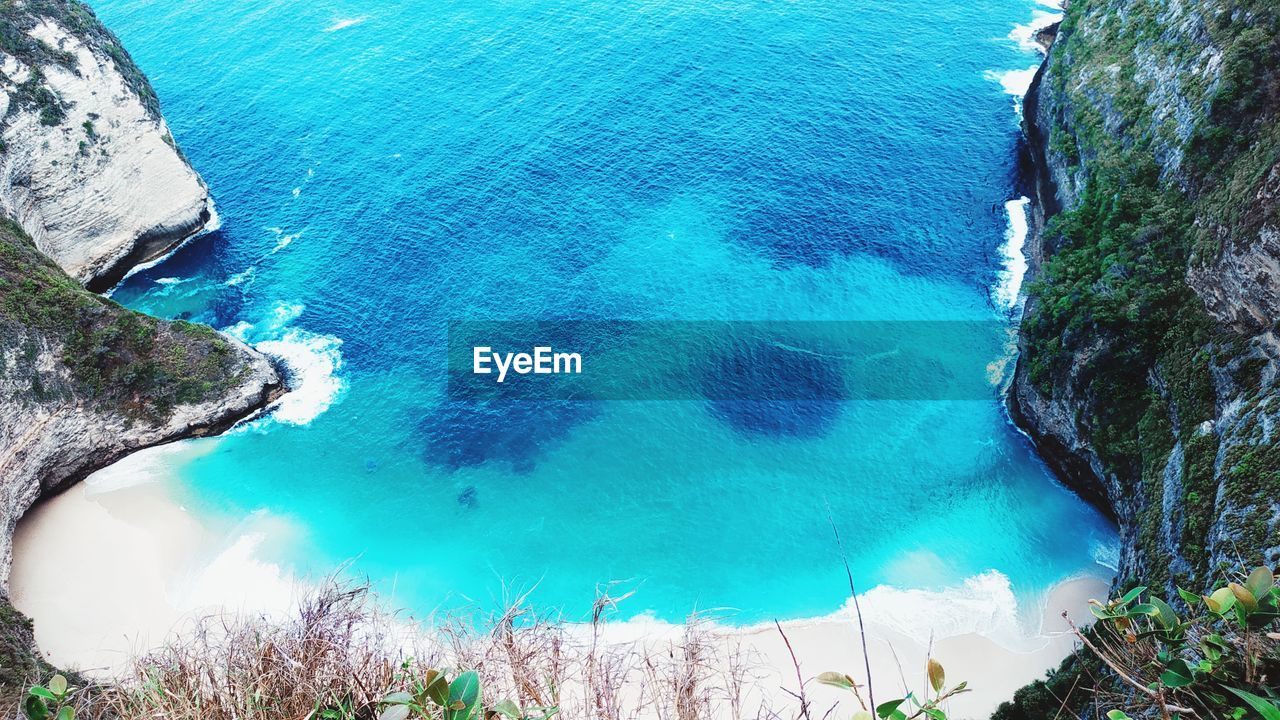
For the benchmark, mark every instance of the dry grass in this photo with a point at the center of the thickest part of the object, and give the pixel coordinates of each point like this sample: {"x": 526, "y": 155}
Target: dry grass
{"x": 340, "y": 655}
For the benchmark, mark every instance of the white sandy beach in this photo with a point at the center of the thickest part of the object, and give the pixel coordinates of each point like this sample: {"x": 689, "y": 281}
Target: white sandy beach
{"x": 114, "y": 565}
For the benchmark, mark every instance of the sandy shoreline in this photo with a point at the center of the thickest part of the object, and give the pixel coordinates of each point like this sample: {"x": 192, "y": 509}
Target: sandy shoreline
{"x": 115, "y": 565}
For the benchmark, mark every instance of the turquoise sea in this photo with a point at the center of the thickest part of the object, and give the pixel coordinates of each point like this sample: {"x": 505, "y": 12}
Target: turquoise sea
{"x": 385, "y": 167}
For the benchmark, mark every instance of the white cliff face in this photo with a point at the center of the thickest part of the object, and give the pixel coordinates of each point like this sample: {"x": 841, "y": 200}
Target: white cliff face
{"x": 104, "y": 188}
{"x": 47, "y": 445}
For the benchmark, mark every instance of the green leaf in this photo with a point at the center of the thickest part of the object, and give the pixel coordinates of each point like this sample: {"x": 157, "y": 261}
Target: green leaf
{"x": 395, "y": 712}
{"x": 1189, "y": 598}
{"x": 1259, "y": 582}
{"x": 464, "y": 697}
{"x": 1244, "y": 597}
{"x": 41, "y": 692}
{"x": 1117, "y": 715}
{"x": 1265, "y": 707}
{"x": 835, "y": 679}
{"x": 506, "y": 708}
{"x": 67, "y": 713}
{"x": 890, "y": 709}
{"x": 1133, "y": 594}
{"x": 398, "y": 698}
{"x": 34, "y": 708}
{"x": 58, "y": 685}
{"x": 1177, "y": 675}
{"x": 437, "y": 688}
{"x": 1165, "y": 615}
{"x": 1221, "y": 600}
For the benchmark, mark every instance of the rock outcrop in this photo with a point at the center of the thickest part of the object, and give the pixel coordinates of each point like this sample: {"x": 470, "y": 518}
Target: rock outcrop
{"x": 91, "y": 184}
{"x": 1149, "y": 349}
{"x": 1148, "y": 374}
{"x": 84, "y": 382}
{"x": 88, "y": 168}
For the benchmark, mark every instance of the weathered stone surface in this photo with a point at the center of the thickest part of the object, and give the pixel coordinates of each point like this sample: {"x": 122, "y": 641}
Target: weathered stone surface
{"x": 1147, "y": 77}
{"x": 90, "y": 169}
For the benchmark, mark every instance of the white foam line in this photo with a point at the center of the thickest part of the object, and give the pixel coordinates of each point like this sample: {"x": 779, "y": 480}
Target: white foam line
{"x": 1008, "y": 290}
{"x": 313, "y": 362}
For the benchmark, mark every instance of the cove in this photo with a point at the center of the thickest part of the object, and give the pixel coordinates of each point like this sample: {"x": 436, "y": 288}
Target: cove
{"x": 385, "y": 169}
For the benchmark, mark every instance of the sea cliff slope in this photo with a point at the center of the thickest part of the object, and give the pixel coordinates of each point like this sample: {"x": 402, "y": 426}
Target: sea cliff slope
{"x": 1148, "y": 371}
{"x": 91, "y": 183}
{"x": 87, "y": 164}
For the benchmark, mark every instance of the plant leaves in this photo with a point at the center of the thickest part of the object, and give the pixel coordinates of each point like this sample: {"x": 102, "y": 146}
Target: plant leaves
{"x": 835, "y": 679}
{"x": 1133, "y": 594}
{"x": 437, "y": 688}
{"x": 41, "y": 692}
{"x": 1244, "y": 597}
{"x": 58, "y": 685}
{"x": 1165, "y": 615}
{"x": 464, "y": 697}
{"x": 398, "y": 698}
{"x": 1117, "y": 715}
{"x": 1259, "y": 582}
{"x": 1177, "y": 675}
{"x": 1221, "y": 600}
{"x": 937, "y": 676}
{"x": 887, "y": 710}
{"x": 1265, "y": 707}
{"x": 67, "y": 713}
{"x": 35, "y": 708}
{"x": 395, "y": 712}
{"x": 506, "y": 708}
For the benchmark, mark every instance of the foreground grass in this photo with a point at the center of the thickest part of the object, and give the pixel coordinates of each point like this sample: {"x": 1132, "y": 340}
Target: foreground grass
{"x": 341, "y": 658}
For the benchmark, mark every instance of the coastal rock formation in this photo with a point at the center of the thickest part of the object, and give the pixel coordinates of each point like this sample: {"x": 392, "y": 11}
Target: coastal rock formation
{"x": 83, "y": 381}
{"x": 1149, "y": 349}
{"x": 88, "y": 167}
{"x": 90, "y": 178}
{"x": 1148, "y": 374}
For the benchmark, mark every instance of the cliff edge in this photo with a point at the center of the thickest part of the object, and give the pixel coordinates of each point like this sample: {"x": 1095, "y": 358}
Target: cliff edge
{"x": 91, "y": 184}
{"x": 1149, "y": 347}
{"x": 1149, "y": 344}
{"x": 87, "y": 164}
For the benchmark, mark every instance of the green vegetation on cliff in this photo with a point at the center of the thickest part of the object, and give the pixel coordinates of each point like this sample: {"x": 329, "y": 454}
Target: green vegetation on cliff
{"x": 18, "y": 17}
{"x": 1113, "y": 313}
{"x": 116, "y": 358}
{"x": 1162, "y": 130}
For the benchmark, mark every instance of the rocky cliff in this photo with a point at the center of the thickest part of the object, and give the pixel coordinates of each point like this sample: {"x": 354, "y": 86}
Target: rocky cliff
{"x": 1148, "y": 374}
{"x": 87, "y": 164}
{"x": 94, "y": 185}
{"x": 1149, "y": 348}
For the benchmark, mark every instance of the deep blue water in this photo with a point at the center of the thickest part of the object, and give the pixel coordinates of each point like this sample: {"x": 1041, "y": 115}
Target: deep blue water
{"x": 383, "y": 168}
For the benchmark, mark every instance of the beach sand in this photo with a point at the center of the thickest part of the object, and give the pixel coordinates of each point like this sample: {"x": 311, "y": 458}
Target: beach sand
{"x": 107, "y": 570}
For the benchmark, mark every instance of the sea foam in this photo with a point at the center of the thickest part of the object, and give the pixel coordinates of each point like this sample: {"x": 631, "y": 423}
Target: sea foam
{"x": 1017, "y": 82}
{"x": 312, "y": 361}
{"x": 1008, "y": 288}
{"x": 345, "y": 23}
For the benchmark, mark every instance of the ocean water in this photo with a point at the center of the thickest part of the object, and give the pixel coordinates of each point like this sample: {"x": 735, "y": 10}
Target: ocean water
{"x": 384, "y": 168}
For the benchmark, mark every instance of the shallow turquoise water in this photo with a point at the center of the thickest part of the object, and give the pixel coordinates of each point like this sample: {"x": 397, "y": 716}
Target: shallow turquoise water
{"x": 384, "y": 168}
